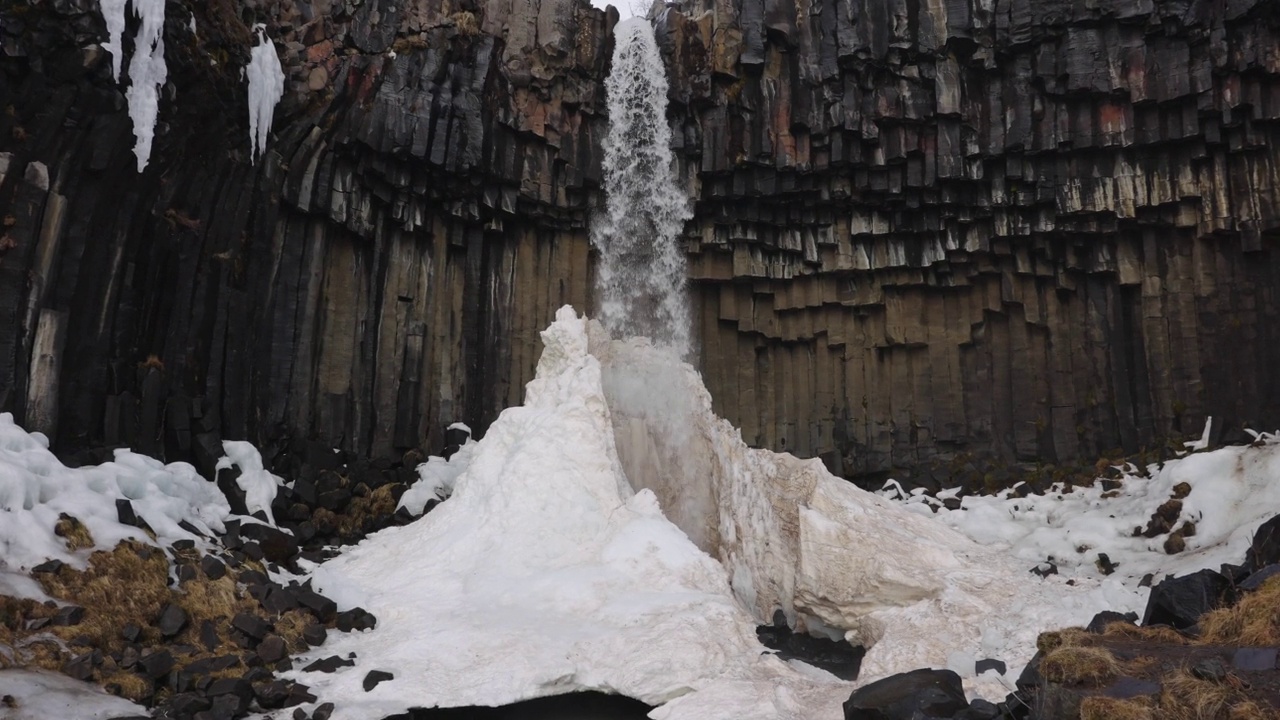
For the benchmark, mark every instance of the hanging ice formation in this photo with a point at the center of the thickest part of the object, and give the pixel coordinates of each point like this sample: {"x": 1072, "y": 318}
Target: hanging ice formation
{"x": 641, "y": 279}
{"x": 266, "y": 87}
{"x": 147, "y": 70}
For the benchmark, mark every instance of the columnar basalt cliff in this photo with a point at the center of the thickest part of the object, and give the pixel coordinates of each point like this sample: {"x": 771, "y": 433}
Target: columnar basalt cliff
{"x": 1031, "y": 228}
{"x": 382, "y": 271}
{"x": 1018, "y": 230}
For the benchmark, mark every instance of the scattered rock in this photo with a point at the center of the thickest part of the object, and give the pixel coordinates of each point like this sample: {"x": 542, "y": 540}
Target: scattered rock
{"x": 157, "y": 664}
{"x": 323, "y": 712}
{"x": 315, "y": 634}
{"x": 67, "y": 615}
{"x": 212, "y": 567}
{"x": 1265, "y": 548}
{"x": 1107, "y": 617}
{"x": 51, "y": 566}
{"x": 1045, "y": 569}
{"x": 919, "y": 693}
{"x": 272, "y": 649}
{"x": 172, "y": 620}
{"x": 1256, "y": 579}
{"x": 251, "y": 625}
{"x": 355, "y": 619}
{"x": 328, "y": 665}
{"x": 374, "y": 677}
{"x": 1211, "y": 669}
{"x": 277, "y": 545}
{"x": 1179, "y": 602}
{"x": 990, "y": 664}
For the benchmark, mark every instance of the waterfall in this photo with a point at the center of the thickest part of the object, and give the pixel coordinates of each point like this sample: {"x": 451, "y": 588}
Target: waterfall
{"x": 641, "y": 278}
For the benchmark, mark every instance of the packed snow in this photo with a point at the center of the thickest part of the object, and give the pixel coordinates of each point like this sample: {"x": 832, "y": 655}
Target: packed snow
{"x": 266, "y": 87}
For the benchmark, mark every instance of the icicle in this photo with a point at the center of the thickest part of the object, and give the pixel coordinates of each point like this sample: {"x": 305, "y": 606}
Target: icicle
{"x": 147, "y": 74}
{"x": 113, "y": 15}
{"x": 266, "y": 87}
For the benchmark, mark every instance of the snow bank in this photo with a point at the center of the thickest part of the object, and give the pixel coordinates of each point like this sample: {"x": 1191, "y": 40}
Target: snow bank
{"x": 35, "y": 487}
{"x": 266, "y": 87}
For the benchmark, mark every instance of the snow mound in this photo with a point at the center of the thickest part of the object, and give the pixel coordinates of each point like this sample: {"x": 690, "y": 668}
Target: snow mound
{"x": 35, "y": 488}
{"x": 40, "y": 695}
{"x": 547, "y": 573}
{"x": 266, "y": 87}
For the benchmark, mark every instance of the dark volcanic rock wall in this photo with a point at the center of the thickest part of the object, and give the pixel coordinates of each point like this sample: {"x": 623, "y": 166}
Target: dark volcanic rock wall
{"x": 384, "y": 269}
{"x": 1014, "y": 229}
{"x": 1034, "y": 228}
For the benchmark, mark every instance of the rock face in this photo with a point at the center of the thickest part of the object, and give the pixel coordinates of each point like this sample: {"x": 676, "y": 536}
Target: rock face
{"x": 1034, "y": 228}
{"x": 1022, "y": 230}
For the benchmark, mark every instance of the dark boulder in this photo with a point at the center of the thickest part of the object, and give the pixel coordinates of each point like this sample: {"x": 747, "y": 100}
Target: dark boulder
{"x": 1100, "y": 621}
{"x": 908, "y": 696}
{"x": 172, "y": 620}
{"x": 374, "y": 677}
{"x": 1179, "y": 602}
{"x": 1256, "y": 579}
{"x": 1265, "y": 549}
{"x": 277, "y": 545}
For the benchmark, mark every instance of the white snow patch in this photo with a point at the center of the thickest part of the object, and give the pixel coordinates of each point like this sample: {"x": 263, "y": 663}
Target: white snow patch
{"x": 259, "y": 485}
{"x": 460, "y": 426}
{"x": 266, "y": 87}
{"x": 1233, "y": 491}
{"x": 35, "y": 488}
{"x": 40, "y": 695}
{"x": 437, "y": 477}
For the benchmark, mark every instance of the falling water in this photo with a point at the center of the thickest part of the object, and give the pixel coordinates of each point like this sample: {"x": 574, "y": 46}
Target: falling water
{"x": 641, "y": 278}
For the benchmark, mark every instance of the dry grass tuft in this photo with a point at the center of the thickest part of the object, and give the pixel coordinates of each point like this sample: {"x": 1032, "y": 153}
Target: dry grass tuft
{"x": 466, "y": 23}
{"x": 1074, "y": 664}
{"x": 1254, "y": 621}
{"x": 290, "y": 626}
{"x": 129, "y": 584}
{"x": 1187, "y": 697}
{"x": 1153, "y": 633}
{"x": 73, "y": 533}
{"x": 1054, "y": 639}
{"x": 1250, "y": 710}
{"x": 45, "y": 653}
{"x": 1105, "y": 708}
{"x": 127, "y": 685}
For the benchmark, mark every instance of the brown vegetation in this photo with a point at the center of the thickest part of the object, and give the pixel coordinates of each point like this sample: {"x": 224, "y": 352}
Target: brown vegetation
{"x": 73, "y": 533}
{"x": 1254, "y": 621}
{"x": 1105, "y": 708}
{"x": 1075, "y": 664}
{"x": 127, "y": 585}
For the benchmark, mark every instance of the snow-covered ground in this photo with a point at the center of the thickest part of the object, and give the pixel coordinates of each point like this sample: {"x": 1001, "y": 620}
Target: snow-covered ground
{"x": 613, "y": 534}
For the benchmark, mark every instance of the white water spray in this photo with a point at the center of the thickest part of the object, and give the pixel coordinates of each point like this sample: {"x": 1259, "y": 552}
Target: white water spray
{"x": 641, "y": 280}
